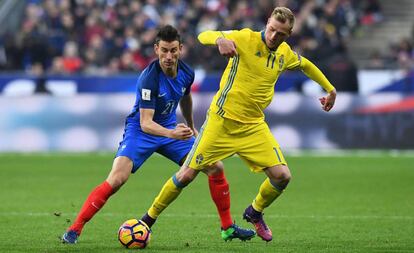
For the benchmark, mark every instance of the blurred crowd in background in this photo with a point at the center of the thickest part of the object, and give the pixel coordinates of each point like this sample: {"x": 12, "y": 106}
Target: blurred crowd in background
{"x": 113, "y": 36}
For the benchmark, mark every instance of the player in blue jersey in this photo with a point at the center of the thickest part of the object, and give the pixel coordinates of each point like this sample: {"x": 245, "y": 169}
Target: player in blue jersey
{"x": 152, "y": 127}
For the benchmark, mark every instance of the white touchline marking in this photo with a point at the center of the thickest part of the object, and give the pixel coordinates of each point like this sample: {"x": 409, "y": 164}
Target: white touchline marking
{"x": 344, "y": 217}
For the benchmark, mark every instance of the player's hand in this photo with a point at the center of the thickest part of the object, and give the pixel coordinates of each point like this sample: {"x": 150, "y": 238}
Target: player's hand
{"x": 226, "y": 47}
{"x": 328, "y": 101}
{"x": 195, "y": 132}
{"x": 181, "y": 132}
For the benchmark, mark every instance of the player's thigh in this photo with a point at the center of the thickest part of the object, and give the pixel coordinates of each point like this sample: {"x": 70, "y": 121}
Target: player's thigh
{"x": 260, "y": 149}
{"x": 211, "y": 145}
{"x": 138, "y": 148}
{"x": 176, "y": 150}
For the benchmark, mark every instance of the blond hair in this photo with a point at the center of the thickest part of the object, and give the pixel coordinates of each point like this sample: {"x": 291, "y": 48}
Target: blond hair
{"x": 282, "y": 14}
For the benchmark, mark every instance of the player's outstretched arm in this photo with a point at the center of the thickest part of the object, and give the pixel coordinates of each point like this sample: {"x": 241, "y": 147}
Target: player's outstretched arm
{"x": 225, "y": 46}
{"x": 209, "y": 37}
{"x": 181, "y": 132}
{"x": 316, "y": 75}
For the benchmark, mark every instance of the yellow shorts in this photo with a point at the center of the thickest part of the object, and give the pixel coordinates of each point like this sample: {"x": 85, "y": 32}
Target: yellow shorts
{"x": 220, "y": 138}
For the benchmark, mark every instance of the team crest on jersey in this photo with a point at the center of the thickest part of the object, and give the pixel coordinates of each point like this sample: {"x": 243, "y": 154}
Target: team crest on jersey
{"x": 258, "y": 54}
{"x": 281, "y": 62}
{"x": 199, "y": 158}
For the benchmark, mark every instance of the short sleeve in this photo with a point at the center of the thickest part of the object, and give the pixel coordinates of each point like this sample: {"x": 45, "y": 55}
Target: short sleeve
{"x": 148, "y": 88}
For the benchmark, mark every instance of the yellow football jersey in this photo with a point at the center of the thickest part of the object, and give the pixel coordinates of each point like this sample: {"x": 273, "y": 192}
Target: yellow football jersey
{"x": 247, "y": 84}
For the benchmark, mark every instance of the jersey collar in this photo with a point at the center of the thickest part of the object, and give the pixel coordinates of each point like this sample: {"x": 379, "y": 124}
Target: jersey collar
{"x": 262, "y": 34}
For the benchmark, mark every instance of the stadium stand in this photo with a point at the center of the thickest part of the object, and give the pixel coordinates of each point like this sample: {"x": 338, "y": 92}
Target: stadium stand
{"x": 109, "y": 36}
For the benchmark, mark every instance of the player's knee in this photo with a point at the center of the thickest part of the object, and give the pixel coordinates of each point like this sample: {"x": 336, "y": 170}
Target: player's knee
{"x": 185, "y": 179}
{"x": 121, "y": 169}
{"x": 219, "y": 167}
{"x": 285, "y": 174}
{"x": 280, "y": 174}
{"x": 214, "y": 169}
{"x": 185, "y": 175}
{"x": 116, "y": 180}
{"x": 285, "y": 177}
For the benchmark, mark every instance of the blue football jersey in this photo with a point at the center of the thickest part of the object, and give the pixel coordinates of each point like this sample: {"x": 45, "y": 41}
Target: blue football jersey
{"x": 157, "y": 91}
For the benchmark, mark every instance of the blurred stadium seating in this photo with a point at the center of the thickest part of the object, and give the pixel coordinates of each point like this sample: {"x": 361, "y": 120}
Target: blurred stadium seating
{"x": 109, "y": 36}
{"x": 106, "y": 37}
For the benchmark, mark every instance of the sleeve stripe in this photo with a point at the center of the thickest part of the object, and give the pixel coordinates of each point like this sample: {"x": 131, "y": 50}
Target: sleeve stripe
{"x": 229, "y": 83}
{"x": 299, "y": 57}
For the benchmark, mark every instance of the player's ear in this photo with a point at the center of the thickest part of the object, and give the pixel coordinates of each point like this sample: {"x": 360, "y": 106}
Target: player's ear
{"x": 156, "y": 48}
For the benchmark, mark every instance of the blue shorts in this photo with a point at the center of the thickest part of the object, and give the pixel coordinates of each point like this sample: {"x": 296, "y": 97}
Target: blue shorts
{"x": 139, "y": 146}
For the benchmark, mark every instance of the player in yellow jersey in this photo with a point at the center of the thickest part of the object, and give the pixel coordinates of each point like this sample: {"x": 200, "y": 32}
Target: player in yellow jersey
{"x": 235, "y": 121}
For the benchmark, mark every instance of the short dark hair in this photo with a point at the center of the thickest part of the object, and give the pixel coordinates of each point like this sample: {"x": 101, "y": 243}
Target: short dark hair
{"x": 168, "y": 33}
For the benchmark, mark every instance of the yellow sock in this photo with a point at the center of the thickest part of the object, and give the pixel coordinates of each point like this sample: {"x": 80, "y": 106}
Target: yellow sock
{"x": 168, "y": 194}
{"x": 267, "y": 194}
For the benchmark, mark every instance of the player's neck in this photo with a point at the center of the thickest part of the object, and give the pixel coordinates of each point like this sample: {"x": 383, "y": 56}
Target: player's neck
{"x": 274, "y": 48}
{"x": 170, "y": 72}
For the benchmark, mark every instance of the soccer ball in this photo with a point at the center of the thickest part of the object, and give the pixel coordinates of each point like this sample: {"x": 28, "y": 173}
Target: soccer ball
{"x": 134, "y": 234}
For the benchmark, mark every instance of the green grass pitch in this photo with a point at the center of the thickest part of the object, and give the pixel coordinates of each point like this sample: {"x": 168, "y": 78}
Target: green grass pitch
{"x": 333, "y": 204}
